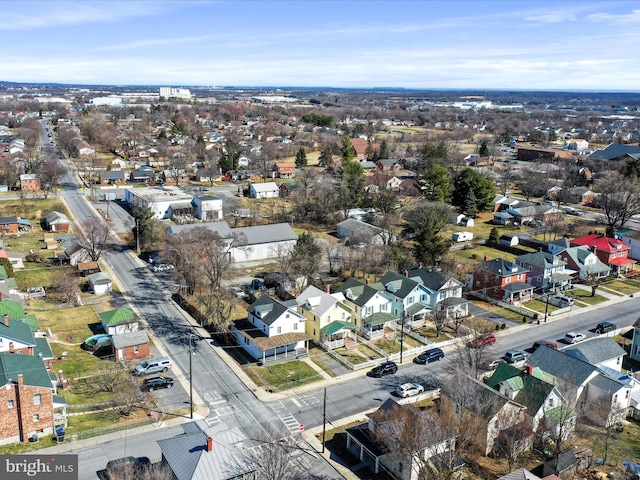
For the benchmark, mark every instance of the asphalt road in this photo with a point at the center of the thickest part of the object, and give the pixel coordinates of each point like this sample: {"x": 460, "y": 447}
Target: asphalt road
{"x": 230, "y": 401}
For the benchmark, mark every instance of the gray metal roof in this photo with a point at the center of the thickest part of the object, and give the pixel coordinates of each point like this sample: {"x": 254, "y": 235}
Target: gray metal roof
{"x": 189, "y": 459}
{"x": 595, "y": 350}
{"x": 606, "y": 383}
{"x": 278, "y": 232}
{"x": 316, "y": 301}
{"x": 561, "y": 366}
{"x": 221, "y": 228}
{"x": 130, "y": 339}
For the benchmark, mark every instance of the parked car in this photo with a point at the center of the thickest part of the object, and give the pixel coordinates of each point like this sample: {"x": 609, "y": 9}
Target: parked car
{"x": 154, "y": 365}
{"x": 546, "y": 343}
{"x": 238, "y": 292}
{"x": 514, "y": 356}
{"x": 493, "y": 364}
{"x": 162, "y": 267}
{"x": 428, "y": 356}
{"x": 155, "y": 383}
{"x": 482, "y": 340}
{"x": 409, "y": 389}
{"x": 604, "y": 327}
{"x": 126, "y": 466}
{"x": 562, "y": 300}
{"x": 386, "y": 368}
{"x": 574, "y": 337}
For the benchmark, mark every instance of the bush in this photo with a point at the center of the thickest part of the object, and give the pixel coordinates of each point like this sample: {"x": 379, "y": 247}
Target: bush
{"x": 34, "y": 258}
{"x": 503, "y": 326}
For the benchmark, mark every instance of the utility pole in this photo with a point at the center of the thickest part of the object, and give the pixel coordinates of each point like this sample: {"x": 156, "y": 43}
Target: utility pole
{"x": 404, "y": 316}
{"x": 546, "y": 308}
{"x": 138, "y": 250}
{"x": 324, "y": 418}
{"x": 190, "y": 379}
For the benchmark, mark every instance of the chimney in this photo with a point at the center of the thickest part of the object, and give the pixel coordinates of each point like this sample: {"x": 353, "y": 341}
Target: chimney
{"x": 406, "y": 273}
{"x": 209, "y": 444}
{"x": 530, "y": 370}
{"x": 11, "y": 349}
{"x": 5, "y": 320}
{"x": 486, "y": 258}
{"x": 420, "y": 264}
{"x": 329, "y": 289}
{"x": 367, "y": 281}
{"x": 20, "y": 380}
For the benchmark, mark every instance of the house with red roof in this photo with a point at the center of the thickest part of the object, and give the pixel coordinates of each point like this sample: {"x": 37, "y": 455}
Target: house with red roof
{"x": 610, "y": 251}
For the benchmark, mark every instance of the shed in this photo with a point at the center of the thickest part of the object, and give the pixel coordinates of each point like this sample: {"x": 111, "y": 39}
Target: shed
{"x": 509, "y": 240}
{"x": 119, "y": 321}
{"x": 100, "y": 283}
{"x": 87, "y": 268}
{"x": 129, "y": 346}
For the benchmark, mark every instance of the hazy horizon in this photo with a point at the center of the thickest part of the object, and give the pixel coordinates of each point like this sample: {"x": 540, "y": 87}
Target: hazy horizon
{"x": 563, "y": 46}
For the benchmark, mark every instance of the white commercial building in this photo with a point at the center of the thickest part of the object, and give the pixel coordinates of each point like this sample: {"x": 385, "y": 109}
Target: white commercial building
{"x": 159, "y": 200}
{"x": 170, "y": 92}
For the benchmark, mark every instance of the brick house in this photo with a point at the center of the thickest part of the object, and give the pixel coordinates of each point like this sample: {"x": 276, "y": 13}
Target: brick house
{"x": 112, "y": 177}
{"x": 14, "y": 224}
{"x": 285, "y": 169}
{"x": 610, "y": 251}
{"x": 502, "y": 280}
{"x": 27, "y": 399}
{"x": 30, "y": 182}
{"x": 130, "y": 346}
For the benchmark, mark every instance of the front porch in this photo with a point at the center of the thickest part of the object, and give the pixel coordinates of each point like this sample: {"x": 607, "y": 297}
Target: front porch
{"x": 267, "y": 349}
{"x": 517, "y": 293}
{"x": 374, "y": 325}
{"x": 336, "y": 333}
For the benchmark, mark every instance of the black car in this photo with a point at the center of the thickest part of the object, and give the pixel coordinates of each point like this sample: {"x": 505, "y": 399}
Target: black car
{"x": 428, "y": 356}
{"x": 154, "y": 383}
{"x": 604, "y": 327}
{"x": 386, "y": 368}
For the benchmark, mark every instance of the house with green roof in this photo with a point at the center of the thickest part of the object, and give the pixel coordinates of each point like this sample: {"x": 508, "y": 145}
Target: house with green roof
{"x": 16, "y": 336}
{"x": 372, "y": 309}
{"x": 119, "y": 321}
{"x": 28, "y": 402}
{"x": 529, "y": 388}
{"x": 329, "y": 320}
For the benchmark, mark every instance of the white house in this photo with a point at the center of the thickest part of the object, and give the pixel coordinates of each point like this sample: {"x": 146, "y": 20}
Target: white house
{"x": 358, "y": 232}
{"x": 372, "y": 310}
{"x": 100, "y": 283}
{"x": 208, "y": 208}
{"x": 157, "y": 199}
{"x": 631, "y": 238}
{"x": 264, "y": 190}
{"x": 119, "y": 321}
{"x": 271, "y": 331}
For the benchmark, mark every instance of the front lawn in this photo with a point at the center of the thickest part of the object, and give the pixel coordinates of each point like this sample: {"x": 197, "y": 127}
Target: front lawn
{"x": 282, "y": 376}
{"x": 621, "y": 287}
{"x": 585, "y": 297}
{"x": 541, "y": 306}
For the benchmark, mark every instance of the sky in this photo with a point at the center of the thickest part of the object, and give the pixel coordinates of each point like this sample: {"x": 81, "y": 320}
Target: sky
{"x": 423, "y": 44}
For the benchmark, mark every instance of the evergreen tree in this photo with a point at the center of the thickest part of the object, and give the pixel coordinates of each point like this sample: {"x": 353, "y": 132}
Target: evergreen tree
{"x": 301, "y": 158}
{"x": 494, "y": 235}
{"x": 483, "y": 150}
{"x": 484, "y": 191}
{"x": 231, "y": 156}
{"x": 326, "y": 157}
{"x": 438, "y": 184}
{"x": 371, "y": 153}
{"x": 383, "y": 150}
{"x": 348, "y": 150}
{"x": 470, "y": 204}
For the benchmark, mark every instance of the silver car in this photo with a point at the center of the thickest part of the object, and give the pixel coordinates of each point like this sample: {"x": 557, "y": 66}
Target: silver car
{"x": 409, "y": 389}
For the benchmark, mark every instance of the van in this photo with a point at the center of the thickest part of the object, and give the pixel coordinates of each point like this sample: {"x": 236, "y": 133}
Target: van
{"x": 462, "y": 237}
{"x": 514, "y": 356}
{"x": 155, "y": 365}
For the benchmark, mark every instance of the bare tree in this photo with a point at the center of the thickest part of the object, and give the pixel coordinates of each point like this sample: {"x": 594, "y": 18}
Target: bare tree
{"x": 65, "y": 286}
{"x": 110, "y": 377}
{"x": 275, "y": 456}
{"x": 126, "y": 398}
{"x": 50, "y": 173}
{"x": 619, "y": 199}
{"x": 514, "y": 440}
{"x": 598, "y": 412}
{"x": 95, "y": 238}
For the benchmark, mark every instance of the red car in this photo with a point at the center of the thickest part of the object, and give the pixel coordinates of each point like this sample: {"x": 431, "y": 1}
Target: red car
{"x": 484, "y": 339}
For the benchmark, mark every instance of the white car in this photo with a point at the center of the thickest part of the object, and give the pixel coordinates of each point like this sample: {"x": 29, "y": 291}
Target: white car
{"x": 409, "y": 389}
{"x": 574, "y": 337}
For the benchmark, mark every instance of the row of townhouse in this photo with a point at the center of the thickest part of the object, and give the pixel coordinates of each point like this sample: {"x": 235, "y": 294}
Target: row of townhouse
{"x": 274, "y": 329}
{"x": 590, "y": 257}
{"x": 29, "y": 401}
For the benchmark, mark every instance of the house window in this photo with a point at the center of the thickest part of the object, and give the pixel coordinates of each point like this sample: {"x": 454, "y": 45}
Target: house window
{"x": 507, "y": 279}
{"x": 295, "y": 326}
{"x": 37, "y": 399}
{"x": 618, "y": 360}
{"x": 10, "y": 404}
{"x": 36, "y": 417}
{"x": 279, "y": 330}
{"x": 136, "y": 349}
{"x": 550, "y": 403}
{"x": 314, "y": 332}
{"x": 329, "y": 318}
{"x": 286, "y": 316}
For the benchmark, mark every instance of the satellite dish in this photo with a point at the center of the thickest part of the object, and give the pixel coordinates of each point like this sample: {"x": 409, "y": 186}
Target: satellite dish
{"x": 65, "y": 353}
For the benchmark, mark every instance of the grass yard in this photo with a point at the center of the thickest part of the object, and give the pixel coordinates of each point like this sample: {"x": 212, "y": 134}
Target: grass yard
{"x": 282, "y": 376}
{"x": 585, "y": 297}
{"x": 393, "y": 346}
{"x": 621, "y": 287}
{"x": 541, "y": 306}
{"x": 503, "y": 312}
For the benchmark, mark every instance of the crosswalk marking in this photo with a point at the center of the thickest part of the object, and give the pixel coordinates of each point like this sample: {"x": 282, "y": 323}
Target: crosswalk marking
{"x": 297, "y": 403}
{"x": 291, "y": 423}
